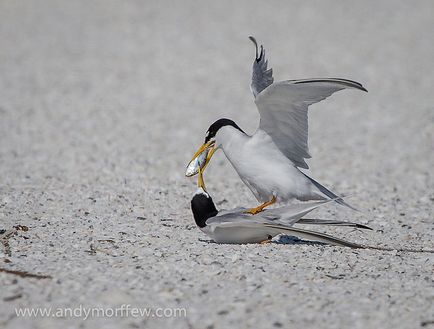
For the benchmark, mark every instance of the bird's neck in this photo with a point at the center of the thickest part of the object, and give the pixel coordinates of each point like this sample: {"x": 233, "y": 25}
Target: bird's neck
{"x": 230, "y": 138}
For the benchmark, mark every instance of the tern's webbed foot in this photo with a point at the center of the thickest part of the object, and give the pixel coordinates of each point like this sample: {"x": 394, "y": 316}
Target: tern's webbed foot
{"x": 254, "y": 211}
{"x": 258, "y": 209}
{"x": 267, "y": 240}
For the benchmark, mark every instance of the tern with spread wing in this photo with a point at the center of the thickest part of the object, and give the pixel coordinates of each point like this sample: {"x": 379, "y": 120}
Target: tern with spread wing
{"x": 235, "y": 226}
{"x": 268, "y": 161}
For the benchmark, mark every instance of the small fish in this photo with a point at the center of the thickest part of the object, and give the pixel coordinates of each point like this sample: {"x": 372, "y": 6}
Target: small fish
{"x": 196, "y": 163}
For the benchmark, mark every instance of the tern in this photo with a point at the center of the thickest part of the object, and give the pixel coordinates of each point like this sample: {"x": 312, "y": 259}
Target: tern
{"x": 268, "y": 161}
{"x": 236, "y": 227}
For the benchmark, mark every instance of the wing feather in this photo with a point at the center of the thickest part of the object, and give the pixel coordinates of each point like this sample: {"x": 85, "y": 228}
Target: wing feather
{"x": 315, "y": 236}
{"x": 283, "y": 108}
{"x": 331, "y": 222}
{"x": 262, "y": 77}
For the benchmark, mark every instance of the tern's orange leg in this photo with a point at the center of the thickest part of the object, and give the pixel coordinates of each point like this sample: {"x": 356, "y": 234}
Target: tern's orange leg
{"x": 266, "y": 241}
{"x": 261, "y": 207}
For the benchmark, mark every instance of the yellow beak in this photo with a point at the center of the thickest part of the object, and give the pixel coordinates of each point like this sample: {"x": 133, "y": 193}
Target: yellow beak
{"x": 200, "y": 181}
{"x": 209, "y": 145}
{"x": 204, "y": 147}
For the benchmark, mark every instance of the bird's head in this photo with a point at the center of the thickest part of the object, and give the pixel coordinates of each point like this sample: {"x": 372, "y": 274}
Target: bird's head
{"x": 211, "y": 144}
{"x": 202, "y": 207}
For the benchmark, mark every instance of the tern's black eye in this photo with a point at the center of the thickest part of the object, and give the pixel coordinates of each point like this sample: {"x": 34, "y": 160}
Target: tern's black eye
{"x": 209, "y": 135}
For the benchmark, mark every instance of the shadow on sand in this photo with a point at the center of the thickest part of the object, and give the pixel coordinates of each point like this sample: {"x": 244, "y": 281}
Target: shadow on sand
{"x": 283, "y": 239}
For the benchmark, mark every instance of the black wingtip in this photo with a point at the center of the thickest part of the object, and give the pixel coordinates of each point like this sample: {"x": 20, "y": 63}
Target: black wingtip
{"x": 348, "y": 83}
{"x": 363, "y": 227}
{"x": 256, "y": 48}
{"x": 359, "y": 85}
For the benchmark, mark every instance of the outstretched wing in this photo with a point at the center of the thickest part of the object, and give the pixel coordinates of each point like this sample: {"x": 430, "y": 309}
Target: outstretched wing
{"x": 292, "y": 213}
{"x": 261, "y": 76}
{"x": 286, "y": 215}
{"x": 283, "y": 109}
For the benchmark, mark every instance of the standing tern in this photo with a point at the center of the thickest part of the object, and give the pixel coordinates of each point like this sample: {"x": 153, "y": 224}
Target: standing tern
{"x": 268, "y": 161}
{"x": 235, "y": 226}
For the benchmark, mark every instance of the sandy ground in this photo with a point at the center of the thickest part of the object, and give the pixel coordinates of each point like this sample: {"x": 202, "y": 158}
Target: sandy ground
{"x": 102, "y": 105}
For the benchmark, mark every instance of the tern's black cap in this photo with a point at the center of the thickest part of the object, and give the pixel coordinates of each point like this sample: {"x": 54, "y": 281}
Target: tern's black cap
{"x": 214, "y": 128}
{"x": 202, "y": 207}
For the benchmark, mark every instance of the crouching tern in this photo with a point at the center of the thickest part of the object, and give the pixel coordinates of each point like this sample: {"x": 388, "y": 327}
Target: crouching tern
{"x": 268, "y": 161}
{"x": 237, "y": 227}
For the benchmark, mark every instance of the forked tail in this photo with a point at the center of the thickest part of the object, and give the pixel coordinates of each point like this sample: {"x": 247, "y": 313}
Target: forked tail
{"x": 329, "y": 193}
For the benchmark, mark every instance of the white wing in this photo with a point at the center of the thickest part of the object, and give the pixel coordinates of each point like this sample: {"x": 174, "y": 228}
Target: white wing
{"x": 283, "y": 109}
{"x": 286, "y": 215}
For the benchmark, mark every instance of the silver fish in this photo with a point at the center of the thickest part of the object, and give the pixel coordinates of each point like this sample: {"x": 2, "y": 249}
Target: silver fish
{"x": 196, "y": 163}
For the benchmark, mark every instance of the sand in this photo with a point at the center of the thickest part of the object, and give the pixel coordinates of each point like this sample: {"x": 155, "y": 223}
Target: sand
{"x": 103, "y": 103}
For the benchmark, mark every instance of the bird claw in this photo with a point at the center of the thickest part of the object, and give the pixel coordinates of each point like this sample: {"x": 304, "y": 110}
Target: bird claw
{"x": 266, "y": 241}
{"x": 254, "y": 211}
{"x": 258, "y": 209}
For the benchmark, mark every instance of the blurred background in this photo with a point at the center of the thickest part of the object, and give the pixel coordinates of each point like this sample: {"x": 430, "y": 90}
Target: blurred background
{"x": 110, "y": 87}
{"x": 103, "y": 103}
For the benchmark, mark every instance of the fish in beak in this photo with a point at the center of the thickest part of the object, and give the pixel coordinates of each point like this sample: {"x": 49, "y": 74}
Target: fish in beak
{"x": 201, "y": 159}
